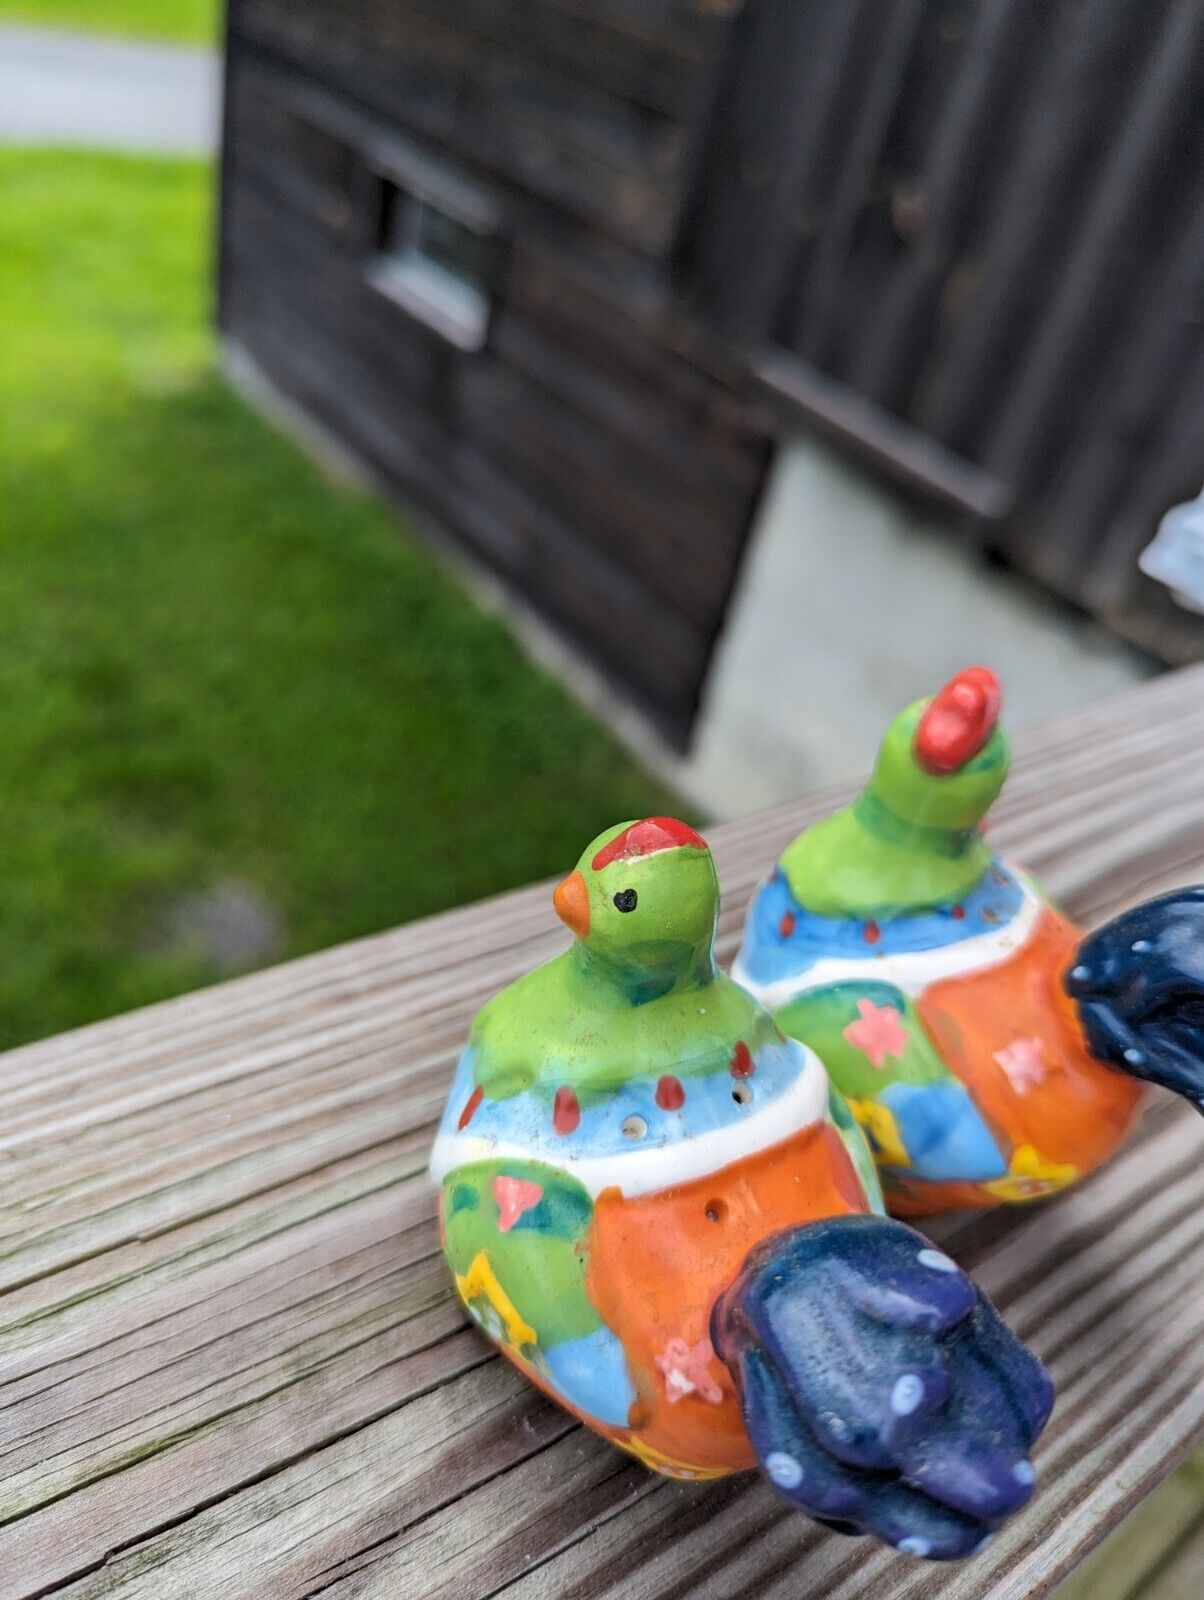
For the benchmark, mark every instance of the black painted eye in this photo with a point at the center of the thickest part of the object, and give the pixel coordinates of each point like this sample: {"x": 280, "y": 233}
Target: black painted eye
{"x": 625, "y": 900}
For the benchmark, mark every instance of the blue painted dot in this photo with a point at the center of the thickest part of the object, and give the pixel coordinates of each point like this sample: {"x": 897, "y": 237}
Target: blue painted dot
{"x": 1024, "y": 1472}
{"x": 982, "y": 1544}
{"x": 784, "y": 1470}
{"x": 937, "y": 1260}
{"x": 913, "y": 1545}
{"x": 1135, "y": 1057}
{"x": 1080, "y": 974}
{"x": 906, "y": 1394}
{"x": 1141, "y": 947}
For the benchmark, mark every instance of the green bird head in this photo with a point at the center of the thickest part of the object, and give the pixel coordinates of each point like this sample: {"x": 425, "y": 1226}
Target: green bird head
{"x": 912, "y": 839}
{"x": 943, "y": 761}
{"x": 643, "y": 902}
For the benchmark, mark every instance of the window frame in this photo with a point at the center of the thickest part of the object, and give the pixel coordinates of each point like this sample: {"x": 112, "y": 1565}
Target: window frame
{"x": 458, "y": 306}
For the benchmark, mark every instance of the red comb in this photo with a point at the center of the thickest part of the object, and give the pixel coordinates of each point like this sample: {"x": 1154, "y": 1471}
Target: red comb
{"x": 958, "y": 721}
{"x": 646, "y": 838}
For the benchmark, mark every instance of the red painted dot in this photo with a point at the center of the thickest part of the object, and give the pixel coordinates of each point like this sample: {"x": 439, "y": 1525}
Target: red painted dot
{"x": 786, "y": 926}
{"x": 741, "y": 1064}
{"x": 958, "y": 913}
{"x": 470, "y": 1107}
{"x": 566, "y": 1110}
{"x": 871, "y": 933}
{"x": 670, "y": 1096}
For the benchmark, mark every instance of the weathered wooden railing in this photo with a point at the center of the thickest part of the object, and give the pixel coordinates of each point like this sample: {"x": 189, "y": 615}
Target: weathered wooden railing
{"x": 231, "y": 1366}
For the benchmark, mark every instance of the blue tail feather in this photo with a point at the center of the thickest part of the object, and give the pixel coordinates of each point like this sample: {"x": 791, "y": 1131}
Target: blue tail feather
{"x": 1138, "y": 983}
{"x": 880, "y": 1389}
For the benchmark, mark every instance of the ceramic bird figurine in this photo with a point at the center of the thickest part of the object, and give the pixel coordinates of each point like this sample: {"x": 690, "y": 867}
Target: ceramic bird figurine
{"x": 989, "y": 1053}
{"x": 654, "y": 1203}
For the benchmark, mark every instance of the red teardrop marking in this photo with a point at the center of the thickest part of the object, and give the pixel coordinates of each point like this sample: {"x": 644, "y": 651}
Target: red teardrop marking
{"x": 741, "y": 1064}
{"x": 958, "y": 913}
{"x": 786, "y": 926}
{"x": 566, "y": 1110}
{"x": 871, "y": 933}
{"x": 470, "y": 1107}
{"x": 670, "y": 1096}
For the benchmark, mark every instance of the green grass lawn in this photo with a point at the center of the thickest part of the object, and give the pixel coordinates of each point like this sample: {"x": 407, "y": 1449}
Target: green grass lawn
{"x": 184, "y": 21}
{"x": 214, "y": 666}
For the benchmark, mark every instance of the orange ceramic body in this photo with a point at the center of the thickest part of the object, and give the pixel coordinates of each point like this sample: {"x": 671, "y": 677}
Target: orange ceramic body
{"x": 593, "y": 1250}
{"x": 1070, "y": 1111}
{"x": 929, "y": 976}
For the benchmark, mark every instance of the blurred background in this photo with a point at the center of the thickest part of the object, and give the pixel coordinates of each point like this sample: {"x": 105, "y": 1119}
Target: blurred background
{"x": 488, "y": 419}
{"x": 432, "y": 430}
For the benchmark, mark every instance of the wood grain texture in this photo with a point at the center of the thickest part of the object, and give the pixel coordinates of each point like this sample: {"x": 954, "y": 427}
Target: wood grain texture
{"x": 592, "y": 466}
{"x": 562, "y": 100}
{"x": 1154, "y": 1540}
{"x": 231, "y": 1364}
{"x": 980, "y": 220}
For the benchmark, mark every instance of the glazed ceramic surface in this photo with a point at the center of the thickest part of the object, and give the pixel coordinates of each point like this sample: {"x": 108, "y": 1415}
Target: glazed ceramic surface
{"x": 656, "y": 1205}
{"x": 929, "y": 975}
{"x": 606, "y": 1167}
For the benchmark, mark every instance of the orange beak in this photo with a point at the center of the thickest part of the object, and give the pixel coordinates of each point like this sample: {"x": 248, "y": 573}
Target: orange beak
{"x": 571, "y": 900}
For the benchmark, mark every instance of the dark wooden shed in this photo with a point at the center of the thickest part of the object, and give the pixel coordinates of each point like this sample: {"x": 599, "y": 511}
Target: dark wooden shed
{"x": 563, "y": 271}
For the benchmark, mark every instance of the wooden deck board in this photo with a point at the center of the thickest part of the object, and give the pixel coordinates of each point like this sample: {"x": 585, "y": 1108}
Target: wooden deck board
{"x": 1154, "y": 1540}
{"x": 230, "y": 1363}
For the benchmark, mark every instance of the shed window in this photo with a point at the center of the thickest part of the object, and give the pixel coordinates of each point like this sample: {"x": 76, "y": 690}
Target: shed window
{"x": 437, "y": 266}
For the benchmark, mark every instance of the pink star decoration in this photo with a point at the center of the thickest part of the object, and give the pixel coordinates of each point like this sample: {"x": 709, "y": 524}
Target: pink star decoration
{"x": 1022, "y": 1064}
{"x": 686, "y": 1369}
{"x": 514, "y": 1196}
{"x": 878, "y": 1032}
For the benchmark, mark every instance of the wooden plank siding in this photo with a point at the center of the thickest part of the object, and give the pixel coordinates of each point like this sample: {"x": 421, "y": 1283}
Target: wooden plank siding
{"x": 983, "y": 217}
{"x": 519, "y": 93}
{"x": 231, "y": 1361}
{"x": 963, "y": 238}
{"x": 587, "y": 455}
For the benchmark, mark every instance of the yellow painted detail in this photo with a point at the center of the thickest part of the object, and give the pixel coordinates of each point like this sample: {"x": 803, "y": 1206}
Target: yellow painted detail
{"x": 1030, "y": 1176}
{"x": 879, "y": 1123}
{"x": 480, "y": 1283}
{"x": 666, "y": 1465}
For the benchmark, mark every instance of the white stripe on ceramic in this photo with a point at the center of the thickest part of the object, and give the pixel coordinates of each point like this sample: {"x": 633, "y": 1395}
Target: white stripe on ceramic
{"x": 802, "y": 1102}
{"x": 909, "y": 970}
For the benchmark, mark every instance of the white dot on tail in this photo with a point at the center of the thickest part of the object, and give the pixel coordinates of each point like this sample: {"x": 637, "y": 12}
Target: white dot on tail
{"x": 906, "y": 1394}
{"x": 913, "y": 1545}
{"x": 938, "y": 1261}
{"x": 783, "y": 1469}
{"x": 1024, "y": 1472}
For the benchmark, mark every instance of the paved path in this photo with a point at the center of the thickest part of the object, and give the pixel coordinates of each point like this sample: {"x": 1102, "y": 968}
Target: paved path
{"x": 68, "y": 88}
